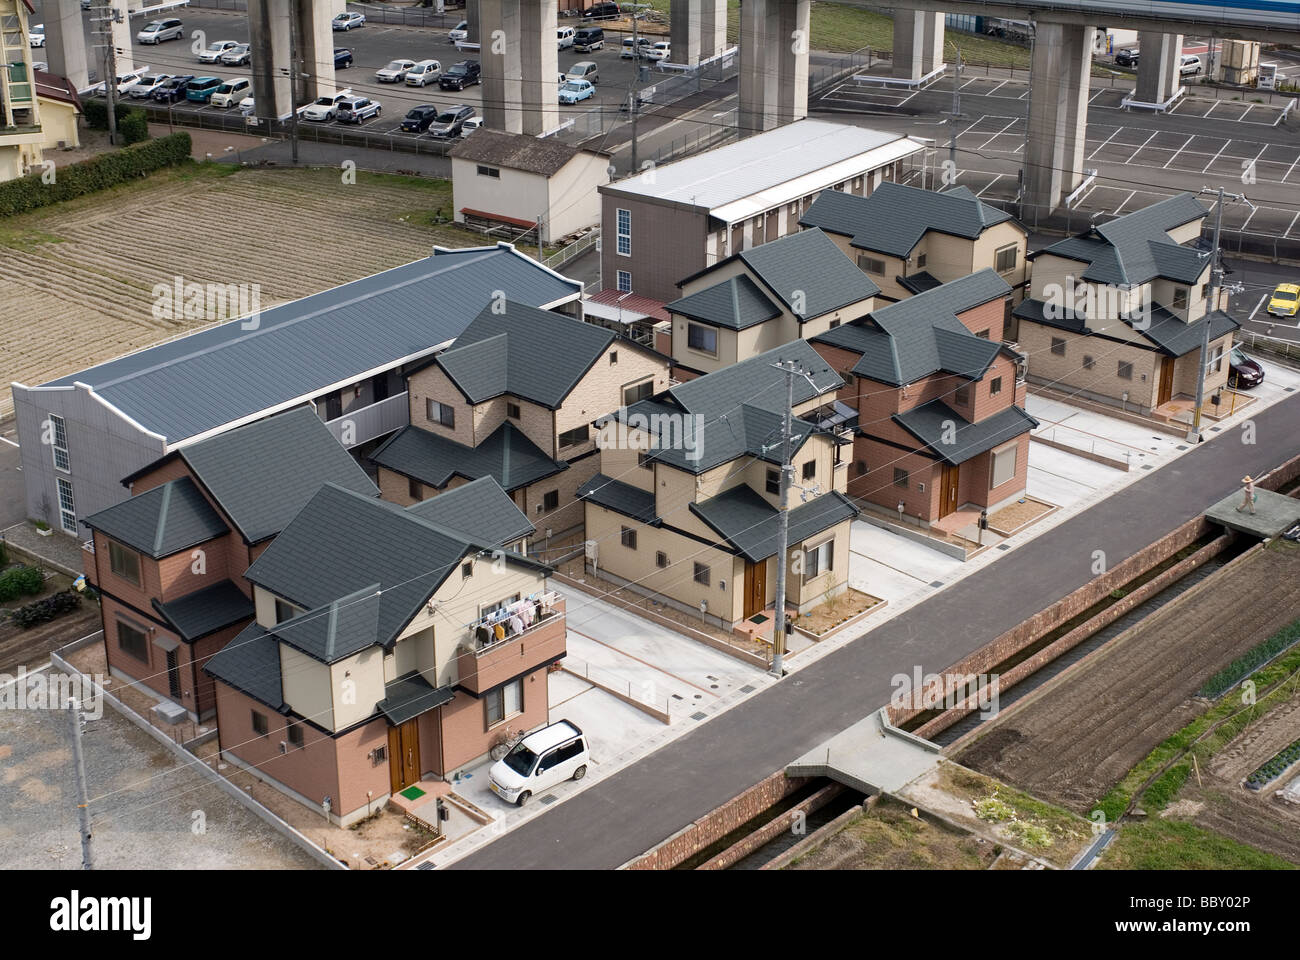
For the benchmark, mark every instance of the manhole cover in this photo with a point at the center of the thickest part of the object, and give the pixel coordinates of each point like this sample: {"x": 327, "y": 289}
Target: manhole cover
{"x": 548, "y": 799}
{"x": 1181, "y": 446}
{"x": 1004, "y": 546}
{"x": 1146, "y": 466}
{"x": 698, "y": 715}
{"x": 747, "y": 688}
{"x": 427, "y": 865}
{"x": 936, "y": 583}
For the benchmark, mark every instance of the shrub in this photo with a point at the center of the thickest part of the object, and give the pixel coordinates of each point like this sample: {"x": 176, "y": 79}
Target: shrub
{"x": 20, "y": 581}
{"x": 95, "y": 174}
{"x": 39, "y": 611}
{"x": 133, "y": 126}
{"x": 96, "y": 113}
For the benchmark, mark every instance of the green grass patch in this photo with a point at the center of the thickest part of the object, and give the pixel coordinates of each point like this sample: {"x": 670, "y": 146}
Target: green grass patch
{"x": 1166, "y": 787}
{"x": 20, "y": 238}
{"x": 1172, "y": 845}
{"x": 1239, "y": 669}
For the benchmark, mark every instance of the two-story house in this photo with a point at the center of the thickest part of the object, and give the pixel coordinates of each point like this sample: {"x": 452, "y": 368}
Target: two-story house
{"x": 169, "y": 561}
{"x": 788, "y": 289}
{"x": 941, "y": 423}
{"x": 685, "y": 508}
{"x": 908, "y": 239}
{"x": 21, "y": 136}
{"x": 515, "y": 399}
{"x": 1118, "y": 314}
{"x": 391, "y": 644}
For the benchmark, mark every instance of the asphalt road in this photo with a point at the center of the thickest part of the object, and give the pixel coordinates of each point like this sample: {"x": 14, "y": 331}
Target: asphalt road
{"x": 619, "y": 818}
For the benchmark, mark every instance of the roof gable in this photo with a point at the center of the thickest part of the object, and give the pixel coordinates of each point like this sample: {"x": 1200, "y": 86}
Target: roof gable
{"x": 736, "y": 303}
{"x": 159, "y": 522}
{"x": 479, "y": 511}
{"x": 808, "y": 273}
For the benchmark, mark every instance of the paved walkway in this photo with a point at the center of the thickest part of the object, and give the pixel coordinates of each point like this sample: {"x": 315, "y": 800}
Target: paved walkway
{"x": 632, "y": 810}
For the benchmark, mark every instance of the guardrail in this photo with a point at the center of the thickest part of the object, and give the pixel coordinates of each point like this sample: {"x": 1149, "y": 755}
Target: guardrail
{"x": 573, "y": 250}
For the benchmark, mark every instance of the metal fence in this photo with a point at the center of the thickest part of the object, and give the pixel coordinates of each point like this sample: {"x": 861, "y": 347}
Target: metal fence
{"x": 374, "y": 13}
{"x": 573, "y": 250}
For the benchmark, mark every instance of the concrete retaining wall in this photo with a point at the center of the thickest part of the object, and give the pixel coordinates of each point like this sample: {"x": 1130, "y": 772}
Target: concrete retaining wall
{"x": 772, "y": 829}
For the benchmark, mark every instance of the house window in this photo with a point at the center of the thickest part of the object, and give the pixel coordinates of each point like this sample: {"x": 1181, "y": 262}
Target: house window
{"x": 67, "y": 507}
{"x": 124, "y": 563}
{"x": 59, "y": 443}
{"x": 860, "y": 468}
{"x": 661, "y": 559}
{"x": 637, "y": 392}
{"x": 1004, "y": 466}
{"x": 920, "y": 261}
{"x": 1216, "y": 360}
{"x": 702, "y": 573}
{"x": 624, "y": 230}
{"x": 295, "y": 737}
{"x": 962, "y": 395}
{"x": 466, "y": 570}
{"x": 643, "y": 460}
{"x": 871, "y": 264}
{"x": 983, "y": 334}
{"x": 414, "y": 489}
{"x": 900, "y": 477}
{"x": 259, "y": 723}
{"x": 512, "y": 410}
{"x": 1006, "y": 258}
{"x": 624, "y": 281}
{"x": 774, "y": 481}
{"x": 551, "y": 500}
{"x": 378, "y": 756}
{"x": 285, "y": 610}
{"x": 701, "y": 338}
{"x": 1180, "y": 298}
{"x": 1125, "y": 371}
{"x": 613, "y": 357}
{"x": 575, "y": 436}
{"x": 1088, "y": 362}
{"x": 995, "y": 386}
{"x": 485, "y": 171}
{"x": 132, "y": 641}
{"x": 833, "y": 325}
{"x": 628, "y": 538}
{"x": 504, "y": 702}
{"x": 442, "y": 413}
{"x": 1058, "y": 346}
{"x": 818, "y": 560}
{"x": 810, "y": 470}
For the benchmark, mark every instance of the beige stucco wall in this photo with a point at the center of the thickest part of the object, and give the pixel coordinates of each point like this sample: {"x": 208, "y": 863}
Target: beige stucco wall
{"x": 356, "y": 685}
{"x": 574, "y": 202}
{"x": 515, "y": 194}
{"x": 601, "y": 391}
{"x": 305, "y": 686}
{"x": 59, "y": 124}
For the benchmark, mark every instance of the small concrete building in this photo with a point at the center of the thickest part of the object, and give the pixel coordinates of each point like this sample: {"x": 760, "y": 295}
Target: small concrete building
{"x": 513, "y": 180}
{"x": 60, "y": 109}
{"x": 673, "y": 221}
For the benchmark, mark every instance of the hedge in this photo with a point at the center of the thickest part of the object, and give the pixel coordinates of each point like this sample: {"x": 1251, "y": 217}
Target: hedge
{"x": 41, "y": 611}
{"x": 97, "y": 173}
{"x": 133, "y": 127}
{"x": 19, "y": 581}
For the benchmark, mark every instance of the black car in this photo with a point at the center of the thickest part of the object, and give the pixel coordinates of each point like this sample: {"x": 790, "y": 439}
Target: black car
{"x": 1126, "y": 58}
{"x": 450, "y": 122}
{"x": 602, "y": 11}
{"x": 417, "y": 119}
{"x": 1243, "y": 371}
{"x": 342, "y": 58}
{"x": 460, "y": 75}
{"x": 171, "y": 90}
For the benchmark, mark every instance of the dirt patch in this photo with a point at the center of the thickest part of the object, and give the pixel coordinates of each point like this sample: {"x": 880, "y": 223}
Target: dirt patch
{"x": 1014, "y": 516}
{"x": 1071, "y": 741}
{"x": 31, "y": 647}
{"x": 829, "y": 615}
{"x": 888, "y": 837}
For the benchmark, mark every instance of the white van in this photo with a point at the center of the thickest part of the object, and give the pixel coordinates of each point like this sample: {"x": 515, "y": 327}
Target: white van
{"x": 539, "y": 761}
{"x": 426, "y": 71}
{"x": 564, "y": 37}
{"x": 1190, "y": 64}
{"x": 231, "y": 92}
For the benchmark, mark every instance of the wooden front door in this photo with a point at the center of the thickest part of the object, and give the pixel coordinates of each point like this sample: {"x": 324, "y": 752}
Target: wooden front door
{"x": 755, "y": 587}
{"x": 948, "y": 489}
{"x": 404, "y": 755}
{"x": 1166, "y": 391}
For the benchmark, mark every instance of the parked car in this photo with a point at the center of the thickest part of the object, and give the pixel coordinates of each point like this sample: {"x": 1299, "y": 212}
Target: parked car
{"x": 241, "y": 54}
{"x": 36, "y": 35}
{"x": 171, "y": 89}
{"x": 1189, "y": 65}
{"x": 347, "y": 21}
{"x": 156, "y": 31}
{"x": 573, "y": 91}
{"x": 215, "y": 50}
{"x": 602, "y": 11}
{"x": 418, "y": 118}
{"x": 1285, "y": 300}
{"x": 425, "y": 71}
{"x": 40, "y": 65}
{"x": 449, "y": 122}
{"x": 1126, "y": 58}
{"x": 342, "y": 58}
{"x": 146, "y": 85}
{"x": 470, "y": 125}
{"x": 249, "y": 104}
{"x": 459, "y": 32}
{"x": 460, "y": 75}
{"x": 661, "y": 50}
{"x": 231, "y": 92}
{"x": 394, "y": 72}
{"x": 126, "y": 81}
{"x": 587, "y": 39}
{"x": 201, "y": 89}
{"x": 324, "y": 108}
{"x": 1243, "y": 370}
{"x": 583, "y": 70}
{"x": 563, "y": 37}
{"x": 548, "y": 756}
{"x": 357, "y": 109}
{"x": 634, "y": 48}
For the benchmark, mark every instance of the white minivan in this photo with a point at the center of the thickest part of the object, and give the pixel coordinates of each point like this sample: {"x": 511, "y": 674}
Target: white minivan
{"x": 1189, "y": 65}
{"x": 564, "y": 37}
{"x": 539, "y": 761}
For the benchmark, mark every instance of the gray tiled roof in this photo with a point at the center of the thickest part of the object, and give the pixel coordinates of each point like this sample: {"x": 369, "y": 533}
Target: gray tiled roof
{"x": 224, "y": 372}
{"x": 919, "y": 282}
{"x": 261, "y": 474}
{"x": 204, "y": 611}
{"x": 161, "y": 521}
{"x": 1036, "y": 311}
{"x": 894, "y": 218}
{"x": 506, "y": 455}
{"x": 251, "y": 664}
{"x": 526, "y": 352}
{"x": 337, "y": 630}
{"x": 749, "y": 523}
{"x": 932, "y": 422}
{"x": 735, "y": 303}
{"x": 808, "y": 268}
{"x": 407, "y": 697}
{"x": 479, "y": 511}
{"x": 516, "y": 151}
{"x": 620, "y": 497}
{"x": 1175, "y": 338}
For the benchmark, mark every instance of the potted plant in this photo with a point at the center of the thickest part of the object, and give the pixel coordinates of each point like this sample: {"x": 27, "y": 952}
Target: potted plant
{"x": 43, "y": 528}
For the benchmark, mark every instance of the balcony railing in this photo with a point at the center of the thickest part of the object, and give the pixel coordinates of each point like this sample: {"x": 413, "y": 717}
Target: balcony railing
{"x": 481, "y": 667}
{"x": 373, "y": 420}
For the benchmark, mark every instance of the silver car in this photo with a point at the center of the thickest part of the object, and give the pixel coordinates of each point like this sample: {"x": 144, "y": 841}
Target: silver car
{"x": 156, "y": 31}
{"x": 357, "y": 109}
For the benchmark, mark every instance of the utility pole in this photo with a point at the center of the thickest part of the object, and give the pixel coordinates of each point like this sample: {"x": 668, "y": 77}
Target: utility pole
{"x": 956, "y": 110}
{"x": 83, "y": 797}
{"x": 1211, "y": 303}
{"x": 106, "y": 16}
{"x": 293, "y": 80}
{"x": 540, "y": 256}
{"x": 633, "y": 95}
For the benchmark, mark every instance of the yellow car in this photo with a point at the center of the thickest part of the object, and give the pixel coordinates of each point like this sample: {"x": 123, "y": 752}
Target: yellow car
{"x": 1285, "y": 300}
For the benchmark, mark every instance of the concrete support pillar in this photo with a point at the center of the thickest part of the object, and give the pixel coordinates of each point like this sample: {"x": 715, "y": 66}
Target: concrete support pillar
{"x": 773, "y": 63}
{"x": 1058, "y": 113}
{"x": 540, "y": 66}
{"x": 269, "y": 23}
{"x": 65, "y": 42}
{"x": 918, "y": 43}
{"x": 472, "y": 21}
{"x": 685, "y": 32}
{"x": 713, "y": 28}
{"x": 1159, "y": 55}
{"x": 499, "y": 26}
{"x": 122, "y": 37}
{"x": 792, "y": 62}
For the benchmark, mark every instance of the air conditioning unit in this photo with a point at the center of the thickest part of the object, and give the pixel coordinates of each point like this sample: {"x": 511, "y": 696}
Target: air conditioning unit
{"x": 591, "y": 549}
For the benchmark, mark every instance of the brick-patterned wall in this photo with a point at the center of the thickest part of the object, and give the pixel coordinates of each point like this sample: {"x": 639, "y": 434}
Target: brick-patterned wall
{"x": 987, "y": 316}
{"x": 432, "y": 383}
{"x": 1102, "y": 380}
{"x": 569, "y": 515}
{"x": 464, "y": 734}
{"x": 719, "y": 822}
{"x": 877, "y": 484}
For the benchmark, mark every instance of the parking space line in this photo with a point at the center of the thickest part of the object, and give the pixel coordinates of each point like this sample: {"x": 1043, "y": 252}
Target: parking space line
{"x": 1139, "y": 149}
{"x": 1175, "y": 156}
{"x": 1287, "y": 231}
{"x": 1126, "y": 200}
{"x": 995, "y": 136}
{"x": 1242, "y": 118}
{"x": 1097, "y": 94}
{"x": 1257, "y": 306}
{"x": 1104, "y": 142}
{"x": 1290, "y": 168}
{"x": 1242, "y": 228}
{"x": 1215, "y": 157}
{"x": 996, "y": 89}
{"x": 990, "y": 184}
